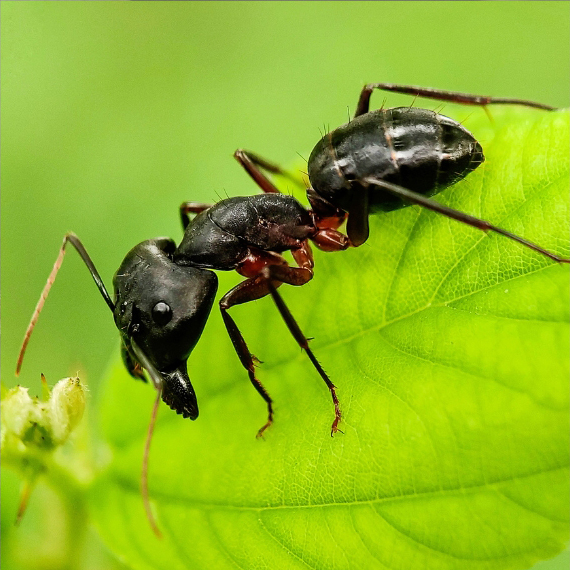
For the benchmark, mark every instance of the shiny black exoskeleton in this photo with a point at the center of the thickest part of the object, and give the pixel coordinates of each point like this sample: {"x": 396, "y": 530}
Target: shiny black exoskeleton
{"x": 164, "y": 293}
{"x": 161, "y": 309}
{"x": 387, "y": 159}
{"x": 414, "y": 148}
{"x": 379, "y": 161}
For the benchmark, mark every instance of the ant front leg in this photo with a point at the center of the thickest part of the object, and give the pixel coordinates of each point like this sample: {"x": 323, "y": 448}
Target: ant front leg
{"x": 440, "y": 95}
{"x": 270, "y": 276}
{"x": 292, "y": 276}
{"x": 191, "y": 208}
{"x": 299, "y": 276}
{"x": 250, "y": 290}
{"x": 246, "y": 291}
{"x": 253, "y": 165}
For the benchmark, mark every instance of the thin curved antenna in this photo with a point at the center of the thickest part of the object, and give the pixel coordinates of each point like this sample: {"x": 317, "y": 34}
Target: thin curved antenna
{"x": 74, "y": 240}
{"x": 144, "y": 471}
{"x": 158, "y": 382}
{"x": 148, "y": 365}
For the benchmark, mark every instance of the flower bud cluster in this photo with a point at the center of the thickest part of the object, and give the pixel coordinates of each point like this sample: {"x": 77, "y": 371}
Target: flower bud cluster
{"x": 31, "y": 425}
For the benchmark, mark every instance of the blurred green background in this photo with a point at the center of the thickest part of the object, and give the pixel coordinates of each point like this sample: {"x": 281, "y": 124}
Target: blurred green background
{"x": 113, "y": 113}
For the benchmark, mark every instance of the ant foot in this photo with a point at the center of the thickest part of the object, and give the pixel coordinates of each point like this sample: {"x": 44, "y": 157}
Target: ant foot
{"x": 334, "y": 427}
{"x": 260, "y": 432}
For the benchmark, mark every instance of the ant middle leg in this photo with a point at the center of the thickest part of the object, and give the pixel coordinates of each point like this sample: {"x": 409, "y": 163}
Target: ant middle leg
{"x": 440, "y": 95}
{"x": 254, "y": 164}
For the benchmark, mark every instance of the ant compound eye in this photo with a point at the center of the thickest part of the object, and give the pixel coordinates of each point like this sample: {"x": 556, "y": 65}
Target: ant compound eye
{"x": 161, "y": 313}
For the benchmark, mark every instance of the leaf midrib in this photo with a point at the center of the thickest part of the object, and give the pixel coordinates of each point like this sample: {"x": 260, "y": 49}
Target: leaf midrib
{"x": 127, "y": 485}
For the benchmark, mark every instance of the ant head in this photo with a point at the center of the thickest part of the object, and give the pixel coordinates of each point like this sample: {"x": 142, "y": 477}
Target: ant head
{"x": 161, "y": 309}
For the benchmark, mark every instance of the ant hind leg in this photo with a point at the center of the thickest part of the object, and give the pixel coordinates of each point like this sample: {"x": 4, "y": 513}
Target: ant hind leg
{"x": 440, "y": 95}
{"x": 419, "y": 199}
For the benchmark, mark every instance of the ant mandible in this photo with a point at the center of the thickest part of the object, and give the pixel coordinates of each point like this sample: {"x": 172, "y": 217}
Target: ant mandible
{"x": 382, "y": 160}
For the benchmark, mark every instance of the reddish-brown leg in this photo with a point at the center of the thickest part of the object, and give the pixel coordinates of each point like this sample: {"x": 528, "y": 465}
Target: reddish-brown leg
{"x": 441, "y": 95}
{"x": 253, "y": 165}
{"x": 304, "y": 257}
{"x": 330, "y": 240}
{"x": 299, "y": 276}
{"x": 325, "y": 215}
{"x": 272, "y": 271}
{"x": 246, "y": 291}
{"x": 291, "y": 275}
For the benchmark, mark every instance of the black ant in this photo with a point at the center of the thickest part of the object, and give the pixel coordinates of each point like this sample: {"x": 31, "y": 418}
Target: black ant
{"x": 380, "y": 161}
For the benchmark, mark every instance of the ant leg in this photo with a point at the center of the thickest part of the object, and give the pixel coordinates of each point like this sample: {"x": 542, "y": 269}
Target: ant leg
{"x": 299, "y": 276}
{"x": 293, "y": 276}
{"x": 329, "y": 240}
{"x": 253, "y": 163}
{"x": 416, "y": 198}
{"x": 357, "y": 224}
{"x": 271, "y": 277}
{"x": 440, "y": 95}
{"x": 242, "y": 293}
{"x": 254, "y": 288}
{"x": 191, "y": 208}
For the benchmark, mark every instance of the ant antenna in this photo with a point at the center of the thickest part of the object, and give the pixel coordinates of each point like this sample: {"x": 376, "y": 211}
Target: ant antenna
{"x": 74, "y": 240}
{"x": 144, "y": 471}
{"x": 158, "y": 383}
{"x": 141, "y": 356}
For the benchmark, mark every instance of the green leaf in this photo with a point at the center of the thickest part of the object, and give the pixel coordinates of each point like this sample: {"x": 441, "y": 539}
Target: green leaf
{"x": 449, "y": 348}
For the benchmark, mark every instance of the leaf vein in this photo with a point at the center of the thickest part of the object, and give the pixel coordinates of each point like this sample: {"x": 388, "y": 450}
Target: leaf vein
{"x": 284, "y": 546}
{"x": 467, "y": 372}
{"x": 132, "y": 487}
{"x": 527, "y": 508}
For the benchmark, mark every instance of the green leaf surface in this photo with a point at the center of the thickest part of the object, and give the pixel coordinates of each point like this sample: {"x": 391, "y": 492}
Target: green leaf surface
{"x": 449, "y": 348}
